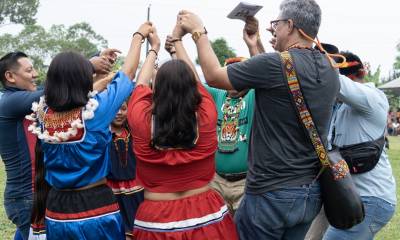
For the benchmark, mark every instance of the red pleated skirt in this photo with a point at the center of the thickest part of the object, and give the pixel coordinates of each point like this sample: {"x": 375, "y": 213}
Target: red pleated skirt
{"x": 198, "y": 217}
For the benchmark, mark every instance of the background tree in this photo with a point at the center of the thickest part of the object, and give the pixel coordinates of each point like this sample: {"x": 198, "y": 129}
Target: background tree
{"x": 42, "y": 45}
{"x": 372, "y": 76}
{"x": 396, "y": 64}
{"x": 394, "y": 99}
{"x": 18, "y": 11}
{"x": 222, "y": 50}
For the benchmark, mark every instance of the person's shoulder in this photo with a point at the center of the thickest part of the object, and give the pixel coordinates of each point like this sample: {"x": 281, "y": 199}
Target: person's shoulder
{"x": 269, "y": 56}
{"x": 378, "y": 93}
{"x": 262, "y": 59}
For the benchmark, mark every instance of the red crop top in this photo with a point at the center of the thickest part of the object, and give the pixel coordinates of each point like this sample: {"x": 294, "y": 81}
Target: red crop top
{"x": 172, "y": 170}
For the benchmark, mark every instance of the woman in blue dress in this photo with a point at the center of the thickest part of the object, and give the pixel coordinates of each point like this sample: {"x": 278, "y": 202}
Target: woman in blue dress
{"x": 73, "y": 125}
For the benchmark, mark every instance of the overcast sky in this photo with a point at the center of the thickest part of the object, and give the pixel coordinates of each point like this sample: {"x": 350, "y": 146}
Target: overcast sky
{"x": 370, "y": 28}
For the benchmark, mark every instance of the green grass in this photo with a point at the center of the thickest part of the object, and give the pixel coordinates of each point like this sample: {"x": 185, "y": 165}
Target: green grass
{"x": 6, "y": 227}
{"x": 390, "y": 232}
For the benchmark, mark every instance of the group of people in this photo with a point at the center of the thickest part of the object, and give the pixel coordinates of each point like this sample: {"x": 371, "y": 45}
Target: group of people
{"x": 162, "y": 155}
{"x": 393, "y": 124}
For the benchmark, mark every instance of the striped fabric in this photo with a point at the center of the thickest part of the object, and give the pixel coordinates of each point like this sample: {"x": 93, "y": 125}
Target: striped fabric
{"x": 184, "y": 224}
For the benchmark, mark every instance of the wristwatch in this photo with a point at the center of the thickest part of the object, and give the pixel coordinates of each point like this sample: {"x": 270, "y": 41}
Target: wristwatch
{"x": 196, "y": 35}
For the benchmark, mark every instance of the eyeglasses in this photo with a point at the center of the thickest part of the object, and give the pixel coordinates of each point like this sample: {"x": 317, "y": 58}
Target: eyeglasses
{"x": 274, "y": 23}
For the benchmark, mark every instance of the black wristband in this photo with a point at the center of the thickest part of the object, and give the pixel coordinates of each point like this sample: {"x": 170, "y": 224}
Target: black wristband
{"x": 152, "y": 50}
{"x": 143, "y": 38}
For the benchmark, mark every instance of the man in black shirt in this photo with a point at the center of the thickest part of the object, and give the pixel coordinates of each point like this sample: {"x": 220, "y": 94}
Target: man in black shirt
{"x": 281, "y": 198}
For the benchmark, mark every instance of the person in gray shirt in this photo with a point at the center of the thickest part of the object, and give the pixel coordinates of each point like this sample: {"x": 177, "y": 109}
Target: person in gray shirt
{"x": 281, "y": 196}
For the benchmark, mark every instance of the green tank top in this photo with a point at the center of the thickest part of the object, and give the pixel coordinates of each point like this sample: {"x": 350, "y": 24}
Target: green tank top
{"x": 235, "y": 118}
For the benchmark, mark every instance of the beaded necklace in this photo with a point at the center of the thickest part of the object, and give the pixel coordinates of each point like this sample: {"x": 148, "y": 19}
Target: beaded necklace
{"x": 123, "y": 136}
{"x": 229, "y": 132}
{"x": 57, "y": 127}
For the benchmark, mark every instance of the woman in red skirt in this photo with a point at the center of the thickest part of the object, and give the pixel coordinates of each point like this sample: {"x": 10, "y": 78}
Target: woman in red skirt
{"x": 174, "y": 136}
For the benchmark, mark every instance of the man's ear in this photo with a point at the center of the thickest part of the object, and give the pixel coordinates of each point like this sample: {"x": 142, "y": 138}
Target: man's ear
{"x": 9, "y": 77}
{"x": 290, "y": 26}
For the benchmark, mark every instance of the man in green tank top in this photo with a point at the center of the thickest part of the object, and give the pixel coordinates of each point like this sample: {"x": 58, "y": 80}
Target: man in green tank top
{"x": 235, "y": 117}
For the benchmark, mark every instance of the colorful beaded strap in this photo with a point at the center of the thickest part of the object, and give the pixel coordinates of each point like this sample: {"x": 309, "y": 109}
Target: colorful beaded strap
{"x": 302, "y": 109}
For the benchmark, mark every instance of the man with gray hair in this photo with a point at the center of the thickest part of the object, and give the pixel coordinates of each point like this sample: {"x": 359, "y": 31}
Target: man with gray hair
{"x": 282, "y": 194}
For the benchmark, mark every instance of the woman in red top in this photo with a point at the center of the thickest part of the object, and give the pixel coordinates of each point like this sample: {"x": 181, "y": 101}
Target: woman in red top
{"x": 174, "y": 135}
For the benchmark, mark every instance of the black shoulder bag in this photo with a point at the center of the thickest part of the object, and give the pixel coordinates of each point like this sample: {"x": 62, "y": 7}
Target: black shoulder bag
{"x": 342, "y": 203}
{"x": 363, "y": 157}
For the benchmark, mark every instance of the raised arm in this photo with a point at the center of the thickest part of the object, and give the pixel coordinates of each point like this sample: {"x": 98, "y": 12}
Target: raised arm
{"x": 146, "y": 73}
{"x": 361, "y": 97}
{"x": 170, "y": 46}
{"x": 102, "y": 83}
{"x": 215, "y": 75}
{"x": 132, "y": 58}
{"x": 176, "y": 44}
{"x": 251, "y": 36}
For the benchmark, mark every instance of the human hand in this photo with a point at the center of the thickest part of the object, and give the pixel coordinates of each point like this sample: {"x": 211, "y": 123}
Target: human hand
{"x": 169, "y": 46}
{"x": 145, "y": 29}
{"x": 178, "y": 32}
{"x": 110, "y": 54}
{"x": 251, "y": 25}
{"x": 250, "y": 40}
{"x": 101, "y": 65}
{"x": 190, "y": 22}
{"x": 154, "y": 40}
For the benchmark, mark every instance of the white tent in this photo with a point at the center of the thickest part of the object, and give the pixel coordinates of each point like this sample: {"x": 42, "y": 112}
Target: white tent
{"x": 393, "y": 85}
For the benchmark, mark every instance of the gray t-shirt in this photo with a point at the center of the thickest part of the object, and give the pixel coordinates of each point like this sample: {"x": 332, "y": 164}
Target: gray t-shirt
{"x": 281, "y": 153}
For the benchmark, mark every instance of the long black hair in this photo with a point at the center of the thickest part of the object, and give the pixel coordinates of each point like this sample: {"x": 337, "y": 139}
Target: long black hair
{"x": 69, "y": 80}
{"x": 42, "y": 188}
{"x": 176, "y": 100}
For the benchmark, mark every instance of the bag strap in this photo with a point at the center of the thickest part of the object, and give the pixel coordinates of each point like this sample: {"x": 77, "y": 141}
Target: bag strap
{"x": 302, "y": 109}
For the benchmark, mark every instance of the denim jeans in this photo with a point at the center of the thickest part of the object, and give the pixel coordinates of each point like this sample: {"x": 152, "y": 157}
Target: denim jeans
{"x": 378, "y": 212}
{"x": 18, "y": 210}
{"x": 18, "y": 235}
{"x": 281, "y": 214}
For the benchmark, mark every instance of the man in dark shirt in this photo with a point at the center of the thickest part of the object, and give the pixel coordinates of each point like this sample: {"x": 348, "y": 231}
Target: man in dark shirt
{"x": 281, "y": 197}
{"x": 18, "y": 77}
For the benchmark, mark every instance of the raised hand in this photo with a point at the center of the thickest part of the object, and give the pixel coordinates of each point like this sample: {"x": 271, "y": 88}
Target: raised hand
{"x": 169, "y": 46}
{"x": 178, "y": 31}
{"x": 251, "y": 25}
{"x": 110, "y": 54}
{"x": 250, "y": 40}
{"x": 101, "y": 65}
{"x": 145, "y": 29}
{"x": 154, "y": 40}
{"x": 190, "y": 22}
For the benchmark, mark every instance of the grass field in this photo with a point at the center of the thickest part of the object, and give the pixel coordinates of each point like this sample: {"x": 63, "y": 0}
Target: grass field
{"x": 390, "y": 232}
